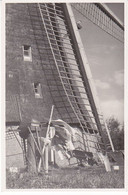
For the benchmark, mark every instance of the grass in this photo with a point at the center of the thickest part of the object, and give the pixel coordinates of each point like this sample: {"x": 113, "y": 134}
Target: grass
{"x": 67, "y": 178}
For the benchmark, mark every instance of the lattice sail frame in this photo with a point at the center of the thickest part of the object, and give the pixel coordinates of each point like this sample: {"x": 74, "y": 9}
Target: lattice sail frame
{"x": 12, "y": 136}
{"x": 103, "y": 17}
{"x": 72, "y": 73}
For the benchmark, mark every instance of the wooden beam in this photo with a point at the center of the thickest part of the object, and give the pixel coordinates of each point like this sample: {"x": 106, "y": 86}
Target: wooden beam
{"x": 45, "y": 147}
{"x": 83, "y": 64}
{"x": 31, "y": 154}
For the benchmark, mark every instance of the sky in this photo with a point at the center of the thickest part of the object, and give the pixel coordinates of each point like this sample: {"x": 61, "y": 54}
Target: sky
{"x": 106, "y": 60}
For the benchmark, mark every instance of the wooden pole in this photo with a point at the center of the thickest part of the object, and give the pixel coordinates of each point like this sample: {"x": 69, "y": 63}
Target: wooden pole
{"x": 51, "y": 150}
{"x": 31, "y": 154}
{"x": 109, "y": 136}
{"x": 34, "y": 141}
{"x": 25, "y": 151}
{"x": 37, "y": 134}
{"x": 46, "y": 159}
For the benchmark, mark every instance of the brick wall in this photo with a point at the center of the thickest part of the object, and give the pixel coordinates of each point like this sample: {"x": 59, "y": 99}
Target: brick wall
{"x": 24, "y": 27}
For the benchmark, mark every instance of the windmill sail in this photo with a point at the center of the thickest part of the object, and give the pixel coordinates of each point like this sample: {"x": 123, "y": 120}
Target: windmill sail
{"x": 103, "y": 17}
{"x": 72, "y": 67}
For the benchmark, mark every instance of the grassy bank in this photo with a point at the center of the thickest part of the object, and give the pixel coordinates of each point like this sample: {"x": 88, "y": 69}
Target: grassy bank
{"x": 67, "y": 178}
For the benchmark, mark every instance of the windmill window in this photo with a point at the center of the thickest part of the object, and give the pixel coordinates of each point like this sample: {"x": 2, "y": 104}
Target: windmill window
{"x": 27, "y": 53}
{"x": 37, "y": 90}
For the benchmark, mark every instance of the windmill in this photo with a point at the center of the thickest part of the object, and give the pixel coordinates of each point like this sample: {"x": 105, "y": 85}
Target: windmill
{"x": 67, "y": 75}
